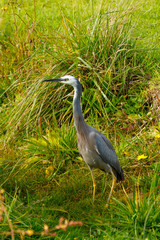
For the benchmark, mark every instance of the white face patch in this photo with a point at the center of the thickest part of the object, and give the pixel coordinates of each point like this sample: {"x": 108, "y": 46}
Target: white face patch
{"x": 68, "y": 79}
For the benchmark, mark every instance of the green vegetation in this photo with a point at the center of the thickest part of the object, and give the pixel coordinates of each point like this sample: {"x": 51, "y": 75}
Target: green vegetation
{"x": 113, "y": 48}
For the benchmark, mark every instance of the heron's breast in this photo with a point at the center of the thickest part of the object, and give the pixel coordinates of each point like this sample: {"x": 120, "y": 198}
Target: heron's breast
{"x": 88, "y": 156}
{"x": 91, "y": 157}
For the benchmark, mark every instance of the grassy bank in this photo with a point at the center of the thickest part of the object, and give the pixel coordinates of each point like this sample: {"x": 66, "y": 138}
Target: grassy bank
{"x": 113, "y": 48}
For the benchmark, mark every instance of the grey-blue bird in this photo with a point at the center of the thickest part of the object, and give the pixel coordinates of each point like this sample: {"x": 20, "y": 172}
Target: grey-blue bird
{"x": 95, "y": 148}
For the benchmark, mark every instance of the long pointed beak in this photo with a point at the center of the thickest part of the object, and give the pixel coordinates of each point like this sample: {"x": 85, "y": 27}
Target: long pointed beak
{"x": 54, "y": 80}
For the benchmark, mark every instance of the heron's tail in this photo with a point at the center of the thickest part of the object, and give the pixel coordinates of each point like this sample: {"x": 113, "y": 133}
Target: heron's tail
{"x": 120, "y": 176}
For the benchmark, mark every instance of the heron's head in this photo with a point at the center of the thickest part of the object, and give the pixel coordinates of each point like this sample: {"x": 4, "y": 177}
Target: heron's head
{"x": 67, "y": 79}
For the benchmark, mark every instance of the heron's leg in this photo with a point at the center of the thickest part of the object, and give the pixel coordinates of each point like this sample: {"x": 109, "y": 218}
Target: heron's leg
{"x": 94, "y": 184}
{"x": 113, "y": 184}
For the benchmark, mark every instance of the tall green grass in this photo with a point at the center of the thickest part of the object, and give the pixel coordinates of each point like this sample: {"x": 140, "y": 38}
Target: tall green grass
{"x": 98, "y": 49}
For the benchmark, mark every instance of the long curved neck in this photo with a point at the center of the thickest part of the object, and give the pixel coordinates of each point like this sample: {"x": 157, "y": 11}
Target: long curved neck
{"x": 77, "y": 112}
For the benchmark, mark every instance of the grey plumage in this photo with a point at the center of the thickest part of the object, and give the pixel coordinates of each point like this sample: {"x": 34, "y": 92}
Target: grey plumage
{"x": 95, "y": 148}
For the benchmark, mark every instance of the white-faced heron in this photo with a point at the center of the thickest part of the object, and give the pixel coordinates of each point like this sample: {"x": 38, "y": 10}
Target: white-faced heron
{"x": 95, "y": 148}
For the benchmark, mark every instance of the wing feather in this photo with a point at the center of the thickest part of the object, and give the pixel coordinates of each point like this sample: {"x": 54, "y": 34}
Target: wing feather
{"x": 106, "y": 151}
